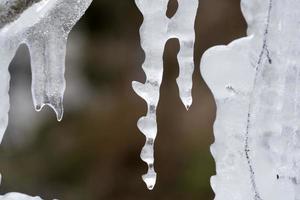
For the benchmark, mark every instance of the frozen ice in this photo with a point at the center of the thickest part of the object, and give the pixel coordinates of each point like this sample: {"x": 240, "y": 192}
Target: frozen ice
{"x": 18, "y": 196}
{"x": 155, "y": 31}
{"x": 44, "y": 27}
{"x": 255, "y": 82}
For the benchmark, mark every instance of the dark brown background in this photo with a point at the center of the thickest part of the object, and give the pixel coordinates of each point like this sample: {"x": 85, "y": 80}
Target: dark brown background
{"x": 93, "y": 154}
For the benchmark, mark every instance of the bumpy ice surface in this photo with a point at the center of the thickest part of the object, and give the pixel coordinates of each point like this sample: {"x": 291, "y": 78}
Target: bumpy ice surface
{"x": 255, "y": 81}
{"x": 155, "y": 31}
{"x": 44, "y": 27}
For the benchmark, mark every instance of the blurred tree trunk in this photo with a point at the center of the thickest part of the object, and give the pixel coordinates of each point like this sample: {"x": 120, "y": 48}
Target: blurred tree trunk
{"x": 10, "y": 10}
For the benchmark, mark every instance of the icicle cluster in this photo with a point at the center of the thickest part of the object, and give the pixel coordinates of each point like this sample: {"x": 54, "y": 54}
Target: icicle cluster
{"x": 155, "y": 31}
{"x": 44, "y": 27}
{"x": 255, "y": 81}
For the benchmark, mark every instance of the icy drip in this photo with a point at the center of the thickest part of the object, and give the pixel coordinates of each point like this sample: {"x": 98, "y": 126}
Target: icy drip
{"x": 255, "y": 82}
{"x": 44, "y": 27}
{"x": 155, "y": 31}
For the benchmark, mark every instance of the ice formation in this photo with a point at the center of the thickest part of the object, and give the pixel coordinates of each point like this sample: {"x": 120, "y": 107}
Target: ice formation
{"x": 155, "y": 31}
{"x": 255, "y": 82}
{"x": 18, "y": 196}
{"x": 43, "y": 26}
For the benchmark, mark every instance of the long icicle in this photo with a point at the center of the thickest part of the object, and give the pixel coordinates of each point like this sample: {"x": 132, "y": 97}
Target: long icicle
{"x": 155, "y": 31}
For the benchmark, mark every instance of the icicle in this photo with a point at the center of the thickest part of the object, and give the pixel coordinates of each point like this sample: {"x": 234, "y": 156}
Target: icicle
{"x": 155, "y": 31}
{"x": 255, "y": 81}
{"x": 44, "y": 26}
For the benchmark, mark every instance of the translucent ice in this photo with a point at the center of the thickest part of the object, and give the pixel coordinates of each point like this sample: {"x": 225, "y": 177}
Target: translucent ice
{"x": 255, "y": 82}
{"x": 43, "y": 25}
{"x": 155, "y": 31}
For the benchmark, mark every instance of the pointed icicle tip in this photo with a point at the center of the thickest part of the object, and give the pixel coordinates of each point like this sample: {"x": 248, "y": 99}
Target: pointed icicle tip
{"x": 55, "y": 104}
{"x": 59, "y": 111}
{"x": 187, "y": 100}
{"x": 39, "y": 107}
{"x": 187, "y": 107}
{"x": 150, "y": 180}
{"x": 187, "y": 103}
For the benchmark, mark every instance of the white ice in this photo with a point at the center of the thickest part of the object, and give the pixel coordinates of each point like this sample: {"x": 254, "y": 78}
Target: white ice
{"x": 255, "y": 82}
{"x": 155, "y": 31}
{"x": 18, "y": 196}
{"x": 44, "y": 28}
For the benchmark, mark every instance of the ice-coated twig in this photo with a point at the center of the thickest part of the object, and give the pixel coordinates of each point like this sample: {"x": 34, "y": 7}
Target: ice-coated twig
{"x": 264, "y": 53}
{"x": 255, "y": 82}
{"x": 155, "y": 31}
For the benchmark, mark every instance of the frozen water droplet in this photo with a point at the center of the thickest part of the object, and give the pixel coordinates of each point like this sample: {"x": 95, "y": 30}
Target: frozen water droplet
{"x": 59, "y": 111}
{"x": 147, "y": 155}
{"x": 39, "y": 107}
{"x": 150, "y": 179}
{"x": 187, "y": 107}
{"x": 57, "y": 105}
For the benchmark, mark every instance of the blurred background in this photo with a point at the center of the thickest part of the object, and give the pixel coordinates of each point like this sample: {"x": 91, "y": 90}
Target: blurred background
{"x": 93, "y": 154}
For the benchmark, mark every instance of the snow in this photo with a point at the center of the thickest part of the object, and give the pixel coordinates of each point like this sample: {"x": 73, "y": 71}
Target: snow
{"x": 155, "y": 31}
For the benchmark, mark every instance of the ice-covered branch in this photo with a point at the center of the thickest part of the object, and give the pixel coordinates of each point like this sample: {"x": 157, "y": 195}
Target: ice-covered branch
{"x": 155, "y": 31}
{"x": 43, "y": 25}
{"x": 255, "y": 81}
